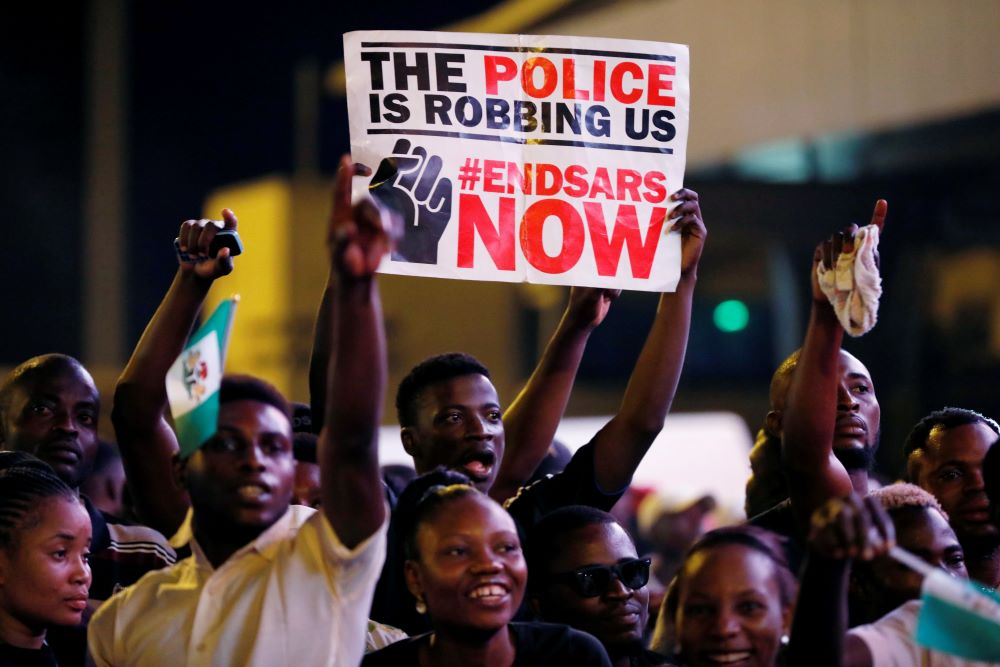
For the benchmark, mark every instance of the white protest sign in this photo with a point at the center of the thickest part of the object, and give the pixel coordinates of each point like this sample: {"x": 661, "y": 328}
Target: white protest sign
{"x": 523, "y": 158}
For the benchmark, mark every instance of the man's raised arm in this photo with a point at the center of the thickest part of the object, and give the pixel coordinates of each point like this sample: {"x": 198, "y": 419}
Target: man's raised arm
{"x": 146, "y": 441}
{"x": 621, "y": 444}
{"x": 809, "y": 423}
{"x": 351, "y": 489}
{"x": 531, "y": 420}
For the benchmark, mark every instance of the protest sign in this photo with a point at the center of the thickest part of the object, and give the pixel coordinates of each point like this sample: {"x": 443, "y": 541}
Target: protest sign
{"x": 523, "y": 158}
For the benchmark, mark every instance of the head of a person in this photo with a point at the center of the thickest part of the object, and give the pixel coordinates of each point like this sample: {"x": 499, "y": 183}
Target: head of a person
{"x": 464, "y": 563}
{"x": 105, "y": 485}
{"x": 879, "y": 586}
{"x": 242, "y": 477}
{"x": 44, "y": 543}
{"x": 859, "y": 417}
{"x": 991, "y": 479}
{"x": 944, "y": 455}
{"x": 732, "y": 600}
{"x": 49, "y": 407}
{"x": 585, "y": 573}
{"x": 450, "y": 416}
{"x": 766, "y": 486}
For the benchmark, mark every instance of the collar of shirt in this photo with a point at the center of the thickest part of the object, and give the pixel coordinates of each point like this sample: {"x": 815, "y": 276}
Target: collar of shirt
{"x": 264, "y": 545}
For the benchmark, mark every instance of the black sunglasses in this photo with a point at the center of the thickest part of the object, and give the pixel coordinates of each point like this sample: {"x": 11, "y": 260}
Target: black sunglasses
{"x": 589, "y": 582}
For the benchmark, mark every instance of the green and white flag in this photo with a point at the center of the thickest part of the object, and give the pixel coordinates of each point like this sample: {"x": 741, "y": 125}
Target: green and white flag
{"x": 960, "y": 618}
{"x": 957, "y": 617}
{"x": 194, "y": 379}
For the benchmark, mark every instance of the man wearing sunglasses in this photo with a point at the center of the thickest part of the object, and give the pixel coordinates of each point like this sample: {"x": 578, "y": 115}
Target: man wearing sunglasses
{"x": 584, "y": 572}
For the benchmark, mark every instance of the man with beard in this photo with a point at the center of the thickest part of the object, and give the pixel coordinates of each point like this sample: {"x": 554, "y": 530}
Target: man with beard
{"x": 830, "y": 425}
{"x": 944, "y": 455}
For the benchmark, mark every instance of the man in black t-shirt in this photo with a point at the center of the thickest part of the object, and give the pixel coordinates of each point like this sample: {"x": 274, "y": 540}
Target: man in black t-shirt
{"x": 450, "y": 416}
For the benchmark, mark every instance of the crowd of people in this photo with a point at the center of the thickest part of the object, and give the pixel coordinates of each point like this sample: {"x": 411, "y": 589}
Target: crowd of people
{"x": 282, "y": 541}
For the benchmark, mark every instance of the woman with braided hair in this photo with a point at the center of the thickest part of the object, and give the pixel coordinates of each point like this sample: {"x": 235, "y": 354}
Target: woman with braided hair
{"x": 44, "y": 543}
{"x": 466, "y": 572}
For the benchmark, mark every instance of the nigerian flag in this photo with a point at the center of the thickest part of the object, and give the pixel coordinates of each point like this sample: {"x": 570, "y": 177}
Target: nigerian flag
{"x": 193, "y": 380}
{"x": 957, "y": 615}
{"x": 960, "y": 618}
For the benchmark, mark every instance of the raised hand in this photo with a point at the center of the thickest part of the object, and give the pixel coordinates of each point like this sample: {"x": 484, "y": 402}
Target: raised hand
{"x": 851, "y": 527}
{"x": 829, "y": 250}
{"x": 358, "y": 238}
{"x": 195, "y": 239}
{"x": 686, "y": 219}
{"x": 588, "y": 306}
{"x": 410, "y": 183}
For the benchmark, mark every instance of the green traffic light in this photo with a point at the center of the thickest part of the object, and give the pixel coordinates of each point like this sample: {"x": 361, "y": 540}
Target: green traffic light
{"x": 731, "y": 316}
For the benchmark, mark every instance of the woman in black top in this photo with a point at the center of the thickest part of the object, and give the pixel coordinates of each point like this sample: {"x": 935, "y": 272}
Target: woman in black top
{"x": 466, "y": 570}
{"x": 44, "y": 544}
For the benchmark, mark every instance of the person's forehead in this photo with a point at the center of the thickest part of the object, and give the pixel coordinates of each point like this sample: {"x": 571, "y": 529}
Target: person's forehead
{"x": 254, "y": 416}
{"x": 472, "y": 514}
{"x": 471, "y": 390}
{"x": 60, "y": 515}
{"x": 730, "y": 568}
{"x": 595, "y": 544}
{"x": 966, "y": 442}
{"x": 922, "y": 527}
{"x": 851, "y": 366}
{"x": 68, "y": 383}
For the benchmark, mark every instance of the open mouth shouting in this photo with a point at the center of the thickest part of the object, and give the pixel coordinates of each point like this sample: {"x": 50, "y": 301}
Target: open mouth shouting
{"x": 478, "y": 465}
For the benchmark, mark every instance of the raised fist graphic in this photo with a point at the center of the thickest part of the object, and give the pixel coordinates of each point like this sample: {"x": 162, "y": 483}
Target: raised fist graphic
{"x": 409, "y": 183}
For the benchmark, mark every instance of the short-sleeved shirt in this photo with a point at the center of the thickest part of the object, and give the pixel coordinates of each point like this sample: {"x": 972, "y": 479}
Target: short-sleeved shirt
{"x": 890, "y": 640}
{"x": 294, "y": 596}
{"x": 575, "y": 485}
{"x": 535, "y": 644}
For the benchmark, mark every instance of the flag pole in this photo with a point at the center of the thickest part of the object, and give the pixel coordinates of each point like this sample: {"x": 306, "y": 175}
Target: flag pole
{"x": 911, "y": 561}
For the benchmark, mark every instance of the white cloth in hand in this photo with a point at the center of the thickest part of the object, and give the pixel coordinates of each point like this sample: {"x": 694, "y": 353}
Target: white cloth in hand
{"x": 853, "y": 286}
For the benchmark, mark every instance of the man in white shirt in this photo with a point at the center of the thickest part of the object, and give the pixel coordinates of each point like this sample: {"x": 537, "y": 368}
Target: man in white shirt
{"x": 267, "y": 584}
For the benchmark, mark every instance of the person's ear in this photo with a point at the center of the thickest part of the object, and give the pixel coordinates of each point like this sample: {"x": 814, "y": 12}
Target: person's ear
{"x": 414, "y": 582}
{"x": 787, "y": 614}
{"x": 409, "y": 438}
{"x": 772, "y": 423}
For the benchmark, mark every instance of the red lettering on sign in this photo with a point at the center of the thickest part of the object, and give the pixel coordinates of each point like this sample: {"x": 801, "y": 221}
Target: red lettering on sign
{"x": 572, "y": 235}
{"x": 618, "y": 82}
{"x": 550, "y": 77}
{"x": 498, "y": 68}
{"x": 607, "y": 253}
{"x": 569, "y": 82}
{"x": 499, "y": 240}
{"x": 657, "y": 85}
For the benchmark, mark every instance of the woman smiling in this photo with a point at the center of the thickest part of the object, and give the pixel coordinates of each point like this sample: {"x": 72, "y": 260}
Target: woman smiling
{"x": 467, "y": 572}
